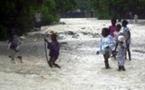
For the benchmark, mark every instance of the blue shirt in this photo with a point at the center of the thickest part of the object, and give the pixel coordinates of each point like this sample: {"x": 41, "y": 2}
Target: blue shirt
{"x": 106, "y": 42}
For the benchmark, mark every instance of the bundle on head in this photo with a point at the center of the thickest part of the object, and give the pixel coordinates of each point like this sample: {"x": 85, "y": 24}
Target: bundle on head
{"x": 54, "y": 36}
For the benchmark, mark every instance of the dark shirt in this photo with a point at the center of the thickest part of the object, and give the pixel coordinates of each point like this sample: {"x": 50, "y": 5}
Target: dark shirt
{"x": 54, "y": 48}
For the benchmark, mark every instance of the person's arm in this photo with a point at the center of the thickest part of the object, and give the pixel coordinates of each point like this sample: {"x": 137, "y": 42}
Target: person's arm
{"x": 9, "y": 45}
{"x": 116, "y": 46}
{"x": 45, "y": 39}
{"x": 129, "y": 35}
{"x": 100, "y": 46}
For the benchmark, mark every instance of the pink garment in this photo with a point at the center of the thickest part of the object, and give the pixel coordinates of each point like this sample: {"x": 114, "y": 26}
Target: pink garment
{"x": 112, "y": 29}
{"x": 116, "y": 34}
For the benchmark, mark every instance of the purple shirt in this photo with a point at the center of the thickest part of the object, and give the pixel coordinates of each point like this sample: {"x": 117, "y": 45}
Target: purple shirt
{"x": 54, "y": 47}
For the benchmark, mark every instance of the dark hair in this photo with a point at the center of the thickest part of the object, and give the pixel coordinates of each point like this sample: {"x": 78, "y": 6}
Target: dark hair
{"x": 113, "y": 21}
{"x": 118, "y": 27}
{"x": 105, "y": 32}
{"x": 54, "y": 37}
{"x": 124, "y": 23}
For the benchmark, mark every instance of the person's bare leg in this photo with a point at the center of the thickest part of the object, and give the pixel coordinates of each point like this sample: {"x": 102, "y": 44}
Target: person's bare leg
{"x": 13, "y": 54}
{"x": 50, "y": 62}
{"x": 129, "y": 54}
{"x": 106, "y": 62}
{"x": 56, "y": 65}
{"x": 123, "y": 68}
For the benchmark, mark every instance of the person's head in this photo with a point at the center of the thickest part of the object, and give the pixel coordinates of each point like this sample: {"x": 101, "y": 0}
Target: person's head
{"x": 53, "y": 36}
{"x": 118, "y": 27}
{"x": 105, "y": 32}
{"x": 113, "y": 21}
{"x": 124, "y": 23}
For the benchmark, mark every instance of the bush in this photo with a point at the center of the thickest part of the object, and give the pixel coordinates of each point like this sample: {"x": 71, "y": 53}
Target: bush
{"x": 21, "y": 13}
{"x": 3, "y": 33}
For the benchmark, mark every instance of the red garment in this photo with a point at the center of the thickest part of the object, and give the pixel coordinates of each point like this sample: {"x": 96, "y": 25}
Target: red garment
{"x": 112, "y": 29}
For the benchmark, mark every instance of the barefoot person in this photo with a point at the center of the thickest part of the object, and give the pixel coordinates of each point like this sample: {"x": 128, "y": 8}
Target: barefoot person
{"x": 121, "y": 52}
{"x": 126, "y": 32}
{"x": 14, "y": 46}
{"x": 135, "y": 18}
{"x": 54, "y": 48}
{"x": 113, "y": 30}
{"x": 106, "y": 44}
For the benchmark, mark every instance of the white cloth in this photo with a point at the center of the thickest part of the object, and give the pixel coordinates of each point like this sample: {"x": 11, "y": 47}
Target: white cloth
{"x": 125, "y": 31}
{"x": 121, "y": 54}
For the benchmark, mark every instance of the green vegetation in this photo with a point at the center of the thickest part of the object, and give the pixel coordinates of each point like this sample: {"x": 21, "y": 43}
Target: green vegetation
{"x": 118, "y": 8}
{"x": 21, "y": 12}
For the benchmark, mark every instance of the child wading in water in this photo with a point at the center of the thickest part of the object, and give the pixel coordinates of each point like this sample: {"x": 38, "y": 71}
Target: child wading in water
{"x": 54, "y": 48}
{"x": 113, "y": 31}
{"x": 127, "y": 34}
{"x": 113, "y": 27}
{"x": 106, "y": 44}
{"x": 121, "y": 52}
{"x": 14, "y": 45}
{"x": 116, "y": 34}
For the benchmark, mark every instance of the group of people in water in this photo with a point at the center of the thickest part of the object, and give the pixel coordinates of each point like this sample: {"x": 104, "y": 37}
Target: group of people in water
{"x": 115, "y": 41}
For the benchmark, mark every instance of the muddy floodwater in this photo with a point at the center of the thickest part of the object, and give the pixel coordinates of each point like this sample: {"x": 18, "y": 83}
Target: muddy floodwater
{"x": 81, "y": 68}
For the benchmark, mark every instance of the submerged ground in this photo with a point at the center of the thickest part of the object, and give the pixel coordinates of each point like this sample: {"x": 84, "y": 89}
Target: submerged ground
{"x": 81, "y": 67}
